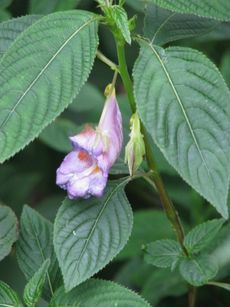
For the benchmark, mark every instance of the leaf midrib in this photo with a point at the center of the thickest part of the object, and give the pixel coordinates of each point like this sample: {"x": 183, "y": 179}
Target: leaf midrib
{"x": 182, "y": 109}
{"x": 97, "y": 220}
{"x": 44, "y": 69}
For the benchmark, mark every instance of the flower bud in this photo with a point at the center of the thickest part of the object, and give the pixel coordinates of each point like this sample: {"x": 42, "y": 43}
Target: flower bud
{"x": 135, "y": 149}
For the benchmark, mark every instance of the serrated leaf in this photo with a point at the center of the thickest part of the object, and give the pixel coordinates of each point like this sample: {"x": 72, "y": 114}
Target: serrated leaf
{"x": 8, "y": 297}
{"x": 88, "y": 234}
{"x": 162, "y": 253}
{"x": 34, "y": 246}
{"x": 164, "y": 26}
{"x": 33, "y": 288}
{"x": 40, "y": 75}
{"x": 9, "y": 30}
{"x": 57, "y": 134}
{"x": 199, "y": 270}
{"x": 8, "y": 230}
{"x": 120, "y": 17}
{"x": 200, "y": 236}
{"x": 184, "y": 104}
{"x": 219, "y": 9}
{"x": 148, "y": 226}
{"x": 96, "y": 292}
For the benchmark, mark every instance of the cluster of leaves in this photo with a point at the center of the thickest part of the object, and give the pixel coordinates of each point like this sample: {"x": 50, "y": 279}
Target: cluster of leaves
{"x": 183, "y": 102}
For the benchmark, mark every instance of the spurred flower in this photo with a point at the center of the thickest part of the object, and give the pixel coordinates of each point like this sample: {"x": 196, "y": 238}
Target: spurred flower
{"x": 84, "y": 171}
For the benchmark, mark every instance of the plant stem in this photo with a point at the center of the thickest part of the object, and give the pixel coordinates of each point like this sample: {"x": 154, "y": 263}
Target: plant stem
{"x": 107, "y": 61}
{"x": 167, "y": 204}
{"x": 192, "y": 296}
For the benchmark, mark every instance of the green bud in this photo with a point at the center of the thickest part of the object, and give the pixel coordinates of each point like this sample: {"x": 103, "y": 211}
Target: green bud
{"x": 135, "y": 149}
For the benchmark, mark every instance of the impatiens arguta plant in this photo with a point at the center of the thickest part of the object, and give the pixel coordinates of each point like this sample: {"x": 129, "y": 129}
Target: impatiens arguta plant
{"x": 179, "y": 104}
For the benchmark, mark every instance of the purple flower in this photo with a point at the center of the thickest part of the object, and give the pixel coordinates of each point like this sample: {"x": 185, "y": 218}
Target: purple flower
{"x": 84, "y": 171}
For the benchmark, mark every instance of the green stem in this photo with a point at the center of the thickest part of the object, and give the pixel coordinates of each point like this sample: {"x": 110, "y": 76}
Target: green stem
{"x": 107, "y": 61}
{"x": 192, "y": 296}
{"x": 156, "y": 180}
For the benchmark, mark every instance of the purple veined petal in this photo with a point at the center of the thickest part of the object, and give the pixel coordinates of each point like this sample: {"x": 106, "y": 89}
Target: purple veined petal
{"x": 88, "y": 140}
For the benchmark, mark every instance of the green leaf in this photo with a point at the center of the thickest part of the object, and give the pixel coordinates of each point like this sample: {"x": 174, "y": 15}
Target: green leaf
{"x": 217, "y": 9}
{"x": 57, "y": 134}
{"x": 4, "y": 15}
{"x": 120, "y": 18}
{"x": 34, "y": 95}
{"x": 9, "y": 30}
{"x": 137, "y": 5}
{"x": 148, "y": 226}
{"x": 8, "y": 230}
{"x": 34, "y": 246}
{"x": 162, "y": 253}
{"x": 184, "y": 104}
{"x": 96, "y": 292}
{"x": 33, "y": 289}
{"x": 88, "y": 234}
{"x": 199, "y": 270}
{"x": 163, "y": 26}
{"x": 8, "y": 297}
{"x": 200, "y": 236}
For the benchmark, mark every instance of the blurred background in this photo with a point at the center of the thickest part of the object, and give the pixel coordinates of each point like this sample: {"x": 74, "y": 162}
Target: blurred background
{"x": 29, "y": 177}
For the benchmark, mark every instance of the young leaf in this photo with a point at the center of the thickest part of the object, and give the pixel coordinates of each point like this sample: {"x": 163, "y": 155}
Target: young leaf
{"x": 8, "y": 297}
{"x": 10, "y": 29}
{"x": 41, "y": 73}
{"x": 199, "y": 270}
{"x": 163, "y": 253}
{"x": 200, "y": 236}
{"x": 96, "y": 292}
{"x": 184, "y": 104}
{"x": 88, "y": 234}
{"x": 33, "y": 289}
{"x": 219, "y": 9}
{"x": 164, "y": 26}
{"x": 8, "y": 230}
{"x": 34, "y": 246}
{"x": 120, "y": 17}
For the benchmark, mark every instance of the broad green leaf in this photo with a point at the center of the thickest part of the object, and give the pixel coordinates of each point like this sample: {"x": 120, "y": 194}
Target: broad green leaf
{"x": 216, "y": 9}
{"x": 47, "y": 7}
{"x": 41, "y": 73}
{"x": 8, "y": 297}
{"x": 199, "y": 270}
{"x": 88, "y": 234}
{"x": 222, "y": 285}
{"x": 200, "y": 236}
{"x": 120, "y": 18}
{"x": 57, "y": 134}
{"x": 161, "y": 284}
{"x": 184, "y": 104}
{"x": 163, "y": 253}
{"x": 148, "y": 225}
{"x": 33, "y": 288}
{"x": 34, "y": 246}
{"x": 8, "y": 230}
{"x": 225, "y": 64}
{"x": 9, "y": 30}
{"x": 96, "y": 292}
{"x": 4, "y": 15}
{"x": 164, "y": 26}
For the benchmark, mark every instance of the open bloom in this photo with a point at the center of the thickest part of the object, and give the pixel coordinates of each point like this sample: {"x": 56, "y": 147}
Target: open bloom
{"x": 84, "y": 171}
